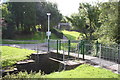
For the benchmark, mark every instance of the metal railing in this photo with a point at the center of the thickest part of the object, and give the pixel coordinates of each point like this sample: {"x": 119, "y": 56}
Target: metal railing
{"x": 80, "y": 47}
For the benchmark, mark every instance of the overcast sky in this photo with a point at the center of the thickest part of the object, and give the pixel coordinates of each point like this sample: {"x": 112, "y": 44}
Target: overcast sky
{"x": 67, "y": 7}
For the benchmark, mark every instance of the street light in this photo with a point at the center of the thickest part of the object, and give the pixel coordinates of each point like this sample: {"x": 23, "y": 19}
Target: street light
{"x": 48, "y": 33}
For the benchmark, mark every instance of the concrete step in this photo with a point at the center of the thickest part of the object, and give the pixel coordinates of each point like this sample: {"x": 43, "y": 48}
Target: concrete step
{"x": 8, "y": 71}
{"x": 67, "y": 65}
{"x": 23, "y": 65}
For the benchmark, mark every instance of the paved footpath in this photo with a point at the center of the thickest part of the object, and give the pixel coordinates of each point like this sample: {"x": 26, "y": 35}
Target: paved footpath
{"x": 98, "y": 61}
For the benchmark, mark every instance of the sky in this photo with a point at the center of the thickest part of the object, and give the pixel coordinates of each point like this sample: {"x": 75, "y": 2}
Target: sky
{"x": 68, "y": 7}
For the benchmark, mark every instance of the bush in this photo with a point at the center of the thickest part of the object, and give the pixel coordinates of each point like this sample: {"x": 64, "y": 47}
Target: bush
{"x": 24, "y": 75}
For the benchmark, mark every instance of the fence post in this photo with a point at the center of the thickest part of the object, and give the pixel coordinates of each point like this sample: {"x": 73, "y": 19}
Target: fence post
{"x": 68, "y": 47}
{"x": 48, "y": 45}
{"x": 60, "y": 45}
{"x": 118, "y": 53}
{"x": 97, "y": 47}
{"x": 100, "y": 53}
{"x": 83, "y": 46}
{"x": 82, "y": 49}
{"x": 57, "y": 46}
{"x": 79, "y": 45}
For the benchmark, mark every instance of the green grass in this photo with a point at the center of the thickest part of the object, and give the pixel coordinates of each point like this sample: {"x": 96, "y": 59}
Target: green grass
{"x": 20, "y": 42}
{"x": 11, "y": 55}
{"x": 83, "y": 71}
{"x": 36, "y": 36}
{"x": 72, "y": 35}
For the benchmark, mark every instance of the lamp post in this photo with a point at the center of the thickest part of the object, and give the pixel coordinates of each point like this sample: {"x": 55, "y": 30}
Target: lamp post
{"x": 48, "y": 33}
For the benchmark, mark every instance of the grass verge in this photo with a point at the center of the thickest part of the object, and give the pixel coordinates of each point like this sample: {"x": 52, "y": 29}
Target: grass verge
{"x": 10, "y": 55}
{"x": 71, "y": 35}
{"x": 36, "y": 36}
{"x": 21, "y": 42}
{"x": 83, "y": 71}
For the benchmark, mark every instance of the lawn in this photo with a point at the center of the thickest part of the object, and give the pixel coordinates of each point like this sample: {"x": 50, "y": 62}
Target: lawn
{"x": 72, "y": 35}
{"x": 10, "y": 55}
{"x": 20, "y": 42}
{"x": 84, "y": 71}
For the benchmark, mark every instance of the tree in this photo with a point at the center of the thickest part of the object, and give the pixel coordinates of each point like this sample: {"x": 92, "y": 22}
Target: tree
{"x": 87, "y": 20}
{"x": 118, "y": 25}
{"x": 42, "y": 9}
{"x": 80, "y": 23}
{"x": 23, "y": 17}
{"x": 7, "y": 31}
{"x": 110, "y": 21}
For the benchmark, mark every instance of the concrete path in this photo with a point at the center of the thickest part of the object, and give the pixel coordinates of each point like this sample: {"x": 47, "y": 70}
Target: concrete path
{"x": 95, "y": 60}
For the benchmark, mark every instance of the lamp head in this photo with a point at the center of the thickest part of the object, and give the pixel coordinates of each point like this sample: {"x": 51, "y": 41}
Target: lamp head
{"x": 48, "y": 14}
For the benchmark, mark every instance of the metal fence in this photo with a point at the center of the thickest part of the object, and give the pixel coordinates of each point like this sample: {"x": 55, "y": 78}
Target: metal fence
{"x": 106, "y": 52}
{"x": 82, "y": 48}
{"x": 65, "y": 47}
{"x": 110, "y": 52}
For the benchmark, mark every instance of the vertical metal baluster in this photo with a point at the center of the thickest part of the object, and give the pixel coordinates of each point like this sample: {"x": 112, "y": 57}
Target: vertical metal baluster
{"x": 100, "y": 53}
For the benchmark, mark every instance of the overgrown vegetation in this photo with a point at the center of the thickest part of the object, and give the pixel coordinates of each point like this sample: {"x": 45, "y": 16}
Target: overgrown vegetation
{"x": 83, "y": 71}
{"x": 10, "y": 55}
{"x": 97, "y": 22}
{"x": 24, "y": 75}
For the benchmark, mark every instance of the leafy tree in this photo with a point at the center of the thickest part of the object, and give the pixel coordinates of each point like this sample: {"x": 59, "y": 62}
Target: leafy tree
{"x": 7, "y": 31}
{"x": 118, "y": 25}
{"x": 23, "y": 17}
{"x": 87, "y": 20}
{"x": 42, "y": 9}
{"x": 64, "y": 20}
{"x": 80, "y": 23}
{"x": 109, "y": 19}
